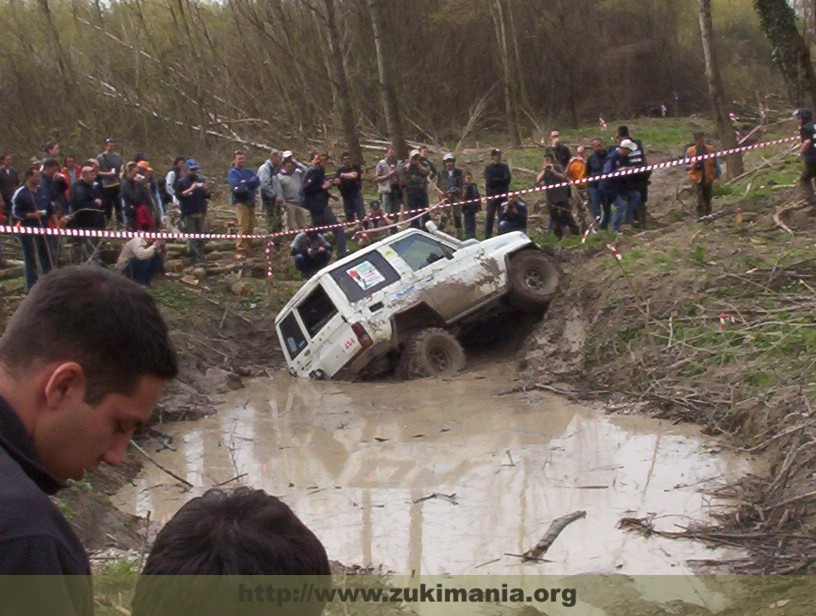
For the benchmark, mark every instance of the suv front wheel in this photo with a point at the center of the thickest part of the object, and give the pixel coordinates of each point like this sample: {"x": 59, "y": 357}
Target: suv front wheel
{"x": 534, "y": 278}
{"x": 431, "y": 352}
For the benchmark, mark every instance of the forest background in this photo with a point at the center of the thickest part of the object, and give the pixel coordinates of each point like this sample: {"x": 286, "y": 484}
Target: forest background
{"x": 192, "y": 77}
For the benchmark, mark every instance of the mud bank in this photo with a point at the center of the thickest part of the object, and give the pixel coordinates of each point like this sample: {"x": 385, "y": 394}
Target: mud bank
{"x": 448, "y": 476}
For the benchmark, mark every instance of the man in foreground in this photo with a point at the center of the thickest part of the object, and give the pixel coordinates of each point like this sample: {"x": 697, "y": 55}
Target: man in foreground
{"x": 72, "y": 392}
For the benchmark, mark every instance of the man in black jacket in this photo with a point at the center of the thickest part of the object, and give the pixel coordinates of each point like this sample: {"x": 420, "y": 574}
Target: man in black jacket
{"x": 9, "y": 182}
{"x": 192, "y": 192}
{"x": 639, "y": 181}
{"x": 497, "y": 182}
{"x": 315, "y": 188}
{"x": 87, "y": 212}
{"x": 72, "y": 392}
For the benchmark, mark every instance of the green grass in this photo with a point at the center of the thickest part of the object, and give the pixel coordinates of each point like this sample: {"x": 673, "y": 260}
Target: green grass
{"x": 173, "y": 296}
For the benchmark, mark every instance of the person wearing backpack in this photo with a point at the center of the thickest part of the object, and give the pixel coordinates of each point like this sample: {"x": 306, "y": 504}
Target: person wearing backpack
{"x": 702, "y": 173}
{"x": 167, "y": 190}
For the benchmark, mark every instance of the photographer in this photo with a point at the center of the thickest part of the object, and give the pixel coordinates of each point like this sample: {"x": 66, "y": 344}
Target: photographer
{"x": 311, "y": 252}
{"x": 513, "y": 216}
{"x": 558, "y": 202}
{"x": 702, "y": 173}
{"x": 192, "y": 192}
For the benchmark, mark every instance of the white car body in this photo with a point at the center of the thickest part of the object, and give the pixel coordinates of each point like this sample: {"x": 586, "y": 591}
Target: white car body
{"x": 356, "y": 311}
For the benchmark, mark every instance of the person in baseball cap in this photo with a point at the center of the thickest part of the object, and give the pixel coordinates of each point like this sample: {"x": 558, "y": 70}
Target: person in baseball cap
{"x": 628, "y": 144}
{"x": 192, "y": 164}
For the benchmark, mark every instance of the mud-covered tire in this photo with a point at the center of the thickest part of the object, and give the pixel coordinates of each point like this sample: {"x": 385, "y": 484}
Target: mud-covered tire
{"x": 430, "y": 352}
{"x": 534, "y": 279}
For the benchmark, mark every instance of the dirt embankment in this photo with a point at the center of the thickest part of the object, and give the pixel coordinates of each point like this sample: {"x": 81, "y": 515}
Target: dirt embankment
{"x": 710, "y": 323}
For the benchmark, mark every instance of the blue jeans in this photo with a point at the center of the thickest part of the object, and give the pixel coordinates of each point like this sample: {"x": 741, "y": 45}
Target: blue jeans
{"x": 36, "y": 257}
{"x": 143, "y": 270}
{"x": 354, "y": 206}
{"x": 626, "y": 203}
{"x": 506, "y": 226}
{"x": 601, "y": 208}
{"x": 416, "y": 201}
{"x": 309, "y": 265}
{"x": 470, "y": 225}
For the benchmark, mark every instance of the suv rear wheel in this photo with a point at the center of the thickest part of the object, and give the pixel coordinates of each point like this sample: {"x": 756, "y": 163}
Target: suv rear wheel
{"x": 534, "y": 278}
{"x": 431, "y": 352}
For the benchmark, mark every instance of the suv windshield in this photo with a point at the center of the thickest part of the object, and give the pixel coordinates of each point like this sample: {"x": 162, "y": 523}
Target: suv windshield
{"x": 419, "y": 251}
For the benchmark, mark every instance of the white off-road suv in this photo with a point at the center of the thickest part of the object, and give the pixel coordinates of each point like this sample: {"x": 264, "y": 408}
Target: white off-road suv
{"x": 401, "y": 303}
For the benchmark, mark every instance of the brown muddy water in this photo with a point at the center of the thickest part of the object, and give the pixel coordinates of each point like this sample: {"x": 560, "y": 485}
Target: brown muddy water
{"x": 360, "y": 463}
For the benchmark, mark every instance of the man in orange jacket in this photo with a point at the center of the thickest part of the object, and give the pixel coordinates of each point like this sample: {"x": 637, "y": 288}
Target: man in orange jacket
{"x": 702, "y": 173}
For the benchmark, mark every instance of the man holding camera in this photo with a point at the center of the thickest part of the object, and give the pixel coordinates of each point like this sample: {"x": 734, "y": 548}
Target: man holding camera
{"x": 702, "y": 173}
{"x": 243, "y": 184}
{"x": 558, "y": 203}
{"x": 513, "y": 215}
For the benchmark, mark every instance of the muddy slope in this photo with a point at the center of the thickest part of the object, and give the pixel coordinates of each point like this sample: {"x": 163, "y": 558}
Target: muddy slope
{"x": 709, "y": 323}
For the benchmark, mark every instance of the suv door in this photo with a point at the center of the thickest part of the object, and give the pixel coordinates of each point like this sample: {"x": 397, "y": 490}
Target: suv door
{"x": 451, "y": 280}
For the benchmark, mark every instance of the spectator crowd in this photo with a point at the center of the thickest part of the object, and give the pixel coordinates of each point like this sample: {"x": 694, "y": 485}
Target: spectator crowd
{"x": 107, "y": 192}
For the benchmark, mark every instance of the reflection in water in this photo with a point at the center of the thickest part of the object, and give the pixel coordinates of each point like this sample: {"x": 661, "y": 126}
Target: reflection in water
{"x": 355, "y": 462}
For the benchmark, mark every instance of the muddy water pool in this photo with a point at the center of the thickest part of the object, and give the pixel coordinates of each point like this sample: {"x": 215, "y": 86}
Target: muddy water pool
{"x": 449, "y": 476}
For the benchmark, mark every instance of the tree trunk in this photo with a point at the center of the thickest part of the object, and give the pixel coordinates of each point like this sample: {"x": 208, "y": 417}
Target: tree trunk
{"x": 510, "y": 105}
{"x": 791, "y": 55}
{"x": 340, "y": 80}
{"x": 715, "y": 91}
{"x": 388, "y": 89}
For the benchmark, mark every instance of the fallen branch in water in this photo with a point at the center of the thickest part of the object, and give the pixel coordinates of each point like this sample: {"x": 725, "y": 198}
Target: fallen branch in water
{"x": 556, "y": 526}
{"x": 160, "y": 467}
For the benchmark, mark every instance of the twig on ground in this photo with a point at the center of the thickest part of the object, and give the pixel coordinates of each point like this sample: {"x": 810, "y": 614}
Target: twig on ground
{"x": 555, "y": 528}
{"x": 160, "y": 467}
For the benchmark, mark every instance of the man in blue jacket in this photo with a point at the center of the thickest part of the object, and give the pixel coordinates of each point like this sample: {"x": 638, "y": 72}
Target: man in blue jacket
{"x": 243, "y": 184}
{"x": 599, "y": 203}
{"x": 619, "y": 190}
{"x": 26, "y": 211}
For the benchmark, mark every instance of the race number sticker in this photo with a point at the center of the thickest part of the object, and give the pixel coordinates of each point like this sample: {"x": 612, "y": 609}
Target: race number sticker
{"x": 365, "y": 275}
{"x": 388, "y": 253}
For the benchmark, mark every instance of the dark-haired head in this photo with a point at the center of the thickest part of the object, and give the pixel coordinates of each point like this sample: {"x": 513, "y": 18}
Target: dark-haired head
{"x": 97, "y": 318}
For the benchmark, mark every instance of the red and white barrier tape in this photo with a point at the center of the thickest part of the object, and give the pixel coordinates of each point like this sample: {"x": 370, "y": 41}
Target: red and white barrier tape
{"x": 615, "y": 252}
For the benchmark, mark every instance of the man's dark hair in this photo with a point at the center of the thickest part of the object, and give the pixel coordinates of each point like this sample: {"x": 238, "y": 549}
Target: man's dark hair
{"x": 623, "y": 131}
{"x": 30, "y": 172}
{"x": 50, "y": 162}
{"x": 698, "y": 134}
{"x": 345, "y": 153}
{"x": 239, "y": 532}
{"x": 224, "y": 534}
{"x": 177, "y": 160}
{"x": 106, "y": 323}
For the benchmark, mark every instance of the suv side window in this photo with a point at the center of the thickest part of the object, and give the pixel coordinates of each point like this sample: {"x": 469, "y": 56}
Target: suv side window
{"x": 419, "y": 251}
{"x": 293, "y": 337}
{"x": 316, "y": 310}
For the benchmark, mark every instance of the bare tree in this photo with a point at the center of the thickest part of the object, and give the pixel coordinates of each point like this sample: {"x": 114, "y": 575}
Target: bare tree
{"x": 385, "y": 71}
{"x": 506, "y": 54}
{"x": 340, "y": 81}
{"x": 715, "y": 89}
{"x": 791, "y": 55}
